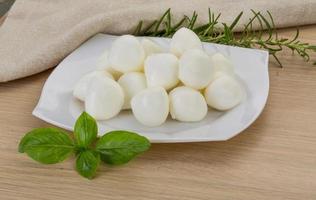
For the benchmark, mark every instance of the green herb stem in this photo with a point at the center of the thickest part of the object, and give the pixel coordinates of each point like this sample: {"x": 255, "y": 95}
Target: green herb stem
{"x": 266, "y": 37}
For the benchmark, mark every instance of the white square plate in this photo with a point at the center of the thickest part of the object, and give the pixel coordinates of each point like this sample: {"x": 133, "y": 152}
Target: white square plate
{"x": 57, "y": 105}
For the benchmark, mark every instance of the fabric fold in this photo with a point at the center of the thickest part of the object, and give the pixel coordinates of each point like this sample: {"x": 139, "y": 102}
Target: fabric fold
{"x": 38, "y": 34}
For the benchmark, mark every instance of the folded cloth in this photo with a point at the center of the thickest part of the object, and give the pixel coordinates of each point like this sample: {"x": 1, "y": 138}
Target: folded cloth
{"x": 38, "y": 34}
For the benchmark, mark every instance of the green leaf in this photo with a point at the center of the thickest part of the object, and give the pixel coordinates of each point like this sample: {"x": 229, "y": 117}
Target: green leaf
{"x": 161, "y": 20}
{"x": 119, "y": 147}
{"x": 138, "y": 28}
{"x": 47, "y": 145}
{"x": 236, "y": 20}
{"x": 86, "y": 130}
{"x": 87, "y": 163}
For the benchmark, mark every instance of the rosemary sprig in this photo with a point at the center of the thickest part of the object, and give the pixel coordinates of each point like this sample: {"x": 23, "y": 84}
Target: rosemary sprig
{"x": 266, "y": 37}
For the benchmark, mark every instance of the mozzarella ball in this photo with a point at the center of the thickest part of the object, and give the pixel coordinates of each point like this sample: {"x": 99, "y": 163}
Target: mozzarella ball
{"x": 132, "y": 83}
{"x": 187, "y": 104}
{"x": 184, "y": 39}
{"x": 104, "y": 64}
{"x": 126, "y": 54}
{"x": 223, "y": 93}
{"x": 222, "y": 65}
{"x": 218, "y": 74}
{"x": 162, "y": 70}
{"x": 82, "y": 85}
{"x": 104, "y": 99}
{"x": 195, "y": 69}
{"x": 151, "y": 106}
{"x": 150, "y": 47}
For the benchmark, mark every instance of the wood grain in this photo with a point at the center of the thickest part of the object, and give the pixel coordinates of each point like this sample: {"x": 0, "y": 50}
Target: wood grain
{"x": 273, "y": 159}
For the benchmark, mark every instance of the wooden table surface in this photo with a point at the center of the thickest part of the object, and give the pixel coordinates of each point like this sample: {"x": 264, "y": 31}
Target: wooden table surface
{"x": 275, "y": 158}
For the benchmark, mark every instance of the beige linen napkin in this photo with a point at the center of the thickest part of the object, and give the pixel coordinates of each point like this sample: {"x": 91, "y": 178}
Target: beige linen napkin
{"x": 38, "y": 34}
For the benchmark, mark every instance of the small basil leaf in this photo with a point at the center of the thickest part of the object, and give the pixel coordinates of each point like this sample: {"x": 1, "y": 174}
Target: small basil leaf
{"x": 119, "y": 147}
{"x": 86, "y": 130}
{"x": 47, "y": 145}
{"x": 87, "y": 163}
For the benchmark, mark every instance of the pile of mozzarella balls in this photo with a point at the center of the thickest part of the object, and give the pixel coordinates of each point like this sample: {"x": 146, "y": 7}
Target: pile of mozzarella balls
{"x": 139, "y": 75}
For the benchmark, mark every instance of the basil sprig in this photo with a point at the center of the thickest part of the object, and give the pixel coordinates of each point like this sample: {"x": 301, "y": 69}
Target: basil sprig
{"x": 52, "y": 145}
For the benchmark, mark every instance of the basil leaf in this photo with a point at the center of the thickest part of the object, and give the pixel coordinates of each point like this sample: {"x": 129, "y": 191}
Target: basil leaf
{"x": 47, "y": 145}
{"x": 87, "y": 163}
{"x": 86, "y": 130}
{"x": 119, "y": 147}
